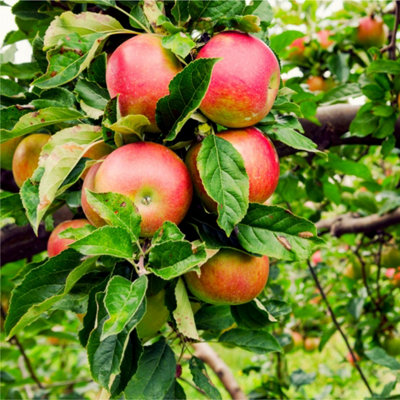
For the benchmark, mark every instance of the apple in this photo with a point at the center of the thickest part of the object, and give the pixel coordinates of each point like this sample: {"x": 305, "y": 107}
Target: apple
{"x": 316, "y": 258}
{"x": 96, "y": 152}
{"x": 260, "y": 160}
{"x": 244, "y": 83}
{"x": 311, "y": 343}
{"x": 390, "y": 257}
{"x": 55, "y": 244}
{"x": 229, "y": 277}
{"x": 350, "y": 358}
{"x": 319, "y": 84}
{"x": 7, "y": 150}
{"x": 394, "y": 275}
{"x": 392, "y": 345}
{"x": 323, "y": 38}
{"x": 139, "y": 71}
{"x": 152, "y": 176}
{"x": 26, "y": 156}
{"x": 354, "y": 270}
{"x": 297, "y": 48}
{"x": 298, "y": 340}
{"x": 371, "y": 31}
{"x": 155, "y": 317}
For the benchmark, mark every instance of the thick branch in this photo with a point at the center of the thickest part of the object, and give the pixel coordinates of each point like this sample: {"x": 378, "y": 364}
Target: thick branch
{"x": 211, "y": 358}
{"x": 348, "y": 223}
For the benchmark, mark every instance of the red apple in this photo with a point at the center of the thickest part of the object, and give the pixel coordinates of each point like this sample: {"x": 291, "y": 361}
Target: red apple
{"x": 152, "y": 176}
{"x": 371, "y": 31}
{"x": 55, "y": 244}
{"x": 316, "y": 257}
{"x": 323, "y": 38}
{"x": 297, "y": 48}
{"x": 297, "y": 339}
{"x": 26, "y": 156}
{"x": 7, "y": 150}
{"x": 229, "y": 277}
{"x": 260, "y": 160}
{"x": 244, "y": 83}
{"x": 316, "y": 84}
{"x": 394, "y": 275}
{"x": 140, "y": 71}
{"x": 350, "y": 358}
{"x": 311, "y": 343}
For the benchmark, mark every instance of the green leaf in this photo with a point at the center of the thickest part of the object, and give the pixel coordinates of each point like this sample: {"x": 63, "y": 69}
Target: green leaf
{"x": 92, "y": 94}
{"x": 245, "y": 23}
{"x": 179, "y": 43}
{"x": 384, "y": 66}
{"x": 11, "y": 207}
{"x": 339, "y": 66}
{"x": 259, "y": 342}
{"x": 130, "y": 125}
{"x": 108, "y": 240}
{"x": 225, "y": 180}
{"x": 122, "y": 301}
{"x": 200, "y": 378}
{"x": 187, "y": 90}
{"x": 348, "y": 167}
{"x": 212, "y": 317}
{"x": 155, "y": 373}
{"x": 105, "y": 356}
{"x": 24, "y": 71}
{"x": 44, "y": 286}
{"x": 341, "y": 93}
{"x": 183, "y": 313}
{"x": 29, "y": 193}
{"x": 380, "y": 357}
{"x": 117, "y": 210}
{"x": 214, "y": 9}
{"x": 34, "y": 121}
{"x": 277, "y": 233}
{"x": 251, "y": 315}
{"x": 57, "y": 97}
{"x": 291, "y": 138}
{"x": 300, "y": 378}
{"x": 279, "y": 42}
{"x": 10, "y": 88}
{"x": 373, "y": 92}
{"x": 170, "y": 259}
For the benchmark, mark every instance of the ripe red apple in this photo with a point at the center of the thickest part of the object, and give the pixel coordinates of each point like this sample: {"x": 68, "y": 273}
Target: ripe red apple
{"x": 229, "y": 277}
{"x": 297, "y": 48}
{"x": 394, "y": 275}
{"x": 316, "y": 257}
{"x": 26, "y": 156}
{"x": 371, "y": 31}
{"x": 311, "y": 343}
{"x": 152, "y": 176}
{"x": 140, "y": 71}
{"x": 55, "y": 244}
{"x": 244, "y": 83}
{"x": 260, "y": 160}
{"x": 392, "y": 345}
{"x": 323, "y": 38}
{"x": 7, "y": 150}
{"x": 350, "y": 358}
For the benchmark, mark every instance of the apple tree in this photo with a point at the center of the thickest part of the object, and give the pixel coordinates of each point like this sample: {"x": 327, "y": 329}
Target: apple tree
{"x": 180, "y": 178}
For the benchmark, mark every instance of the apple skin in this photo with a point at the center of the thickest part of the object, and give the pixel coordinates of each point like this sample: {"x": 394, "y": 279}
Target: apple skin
{"x": 371, "y": 31}
{"x": 390, "y": 257}
{"x": 7, "y": 150}
{"x": 354, "y": 270}
{"x": 260, "y": 160}
{"x": 316, "y": 258}
{"x": 392, "y": 345}
{"x": 298, "y": 340}
{"x": 323, "y": 38}
{"x": 394, "y": 275}
{"x": 350, "y": 358}
{"x": 152, "y": 176}
{"x": 140, "y": 71}
{"x": 297, "y": 48}
{"x": 229, "y": 277}
{"x": 26, "y": 156}
{"x": 55, "y": 244}
{"x": 311, "y": 343}
{"x": 244, "y": 83}
{"x": 316, "y": 84}
{"x": 155, "y": 317}
{"x": 96, "y": 152}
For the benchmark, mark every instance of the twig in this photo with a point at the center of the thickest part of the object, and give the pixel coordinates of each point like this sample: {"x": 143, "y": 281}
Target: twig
{"x": 391, "y": 47}
{"x": 28, "y": 364}
{"x": 338, "y": 327}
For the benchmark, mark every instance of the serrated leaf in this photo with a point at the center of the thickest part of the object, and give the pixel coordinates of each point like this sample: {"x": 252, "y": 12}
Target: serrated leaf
{"x": 117, "y": 210}
{"x": 156, "y": 365}
{"x": 187, "y": 90}
{"x": 122, "y": 301}
{"x": 250, "y": 316}
{"x": 214, "y": 9}
{"x": 179, "y": 43}
{"x": 108, "y": 240}
{"x": 380, "y": 357}
{"x": 277, "y": 233}
{"x": 44, "y": 286}
{"x": 168, "y": 231}
{"x": 105, "y": 356}
{"x": 170, "y": 259}
{"x": 225, "y": 180}
{"x": 199, "y": 374}
{"x": 183, "y": 313}
{"x": 291, "y": 138}
{"x": 92, "y": 94}
{"x": 34, "y": 121}
{"x": 259, "y": 342}
{"x": 130, "y": 125}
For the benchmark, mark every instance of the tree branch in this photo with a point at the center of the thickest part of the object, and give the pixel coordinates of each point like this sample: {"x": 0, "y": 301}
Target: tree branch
{"x": 350, "y": 223}
{"x": 205, "y": 352}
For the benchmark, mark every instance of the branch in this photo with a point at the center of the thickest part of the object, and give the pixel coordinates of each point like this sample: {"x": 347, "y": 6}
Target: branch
{"x": 205, "y": 352}
{"x": 350, "y": 223}
{"x": 338, "y": 327}
{"x": 391, "y": 47}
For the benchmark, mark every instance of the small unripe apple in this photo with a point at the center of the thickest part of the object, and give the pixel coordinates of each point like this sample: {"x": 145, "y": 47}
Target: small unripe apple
{"x": 311, "y": 343}
{"x": 392, "y": 345}
{"x": 26, "y": 156}
{"x": 323, "y": 38}
{"x": 371, "y": 31}
{"x": 354, "y": 270}
{"x": 390, "y": 257}
{"x": 350, "y": 358}
{"x": 229, "y": 277}
{"x": 55, "y": 244}
{"x": 244, "y": 83}
{"x": 140, "y": 71}
{"x": 152, "y": 176}
{"x": 155, "y": 317}
{"x": 260, "y": 160}
{"x": 7, "y": 150}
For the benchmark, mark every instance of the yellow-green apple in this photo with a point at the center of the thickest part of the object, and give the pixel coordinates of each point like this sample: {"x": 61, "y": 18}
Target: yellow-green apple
{"x": 371, "y": 31}
{"x": 311, "y": 343}
{"x": 7, "y": 150}
{"x": 392, "y": 344}
{"x": 56, "y": 244}
{"x": 354, "y": 270}
{"x": 297, "y": 339}
{"x": 155, "y": 317}
{"x": 244, "y": 83}
{"x": 390, "y": 257}
{"x": 26, "y": 156}
{"x": 152, "y": 176}
{"x": 260, "y": 160}
{"x": 139, "y": 71}
{"x": 229, "y": 277}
